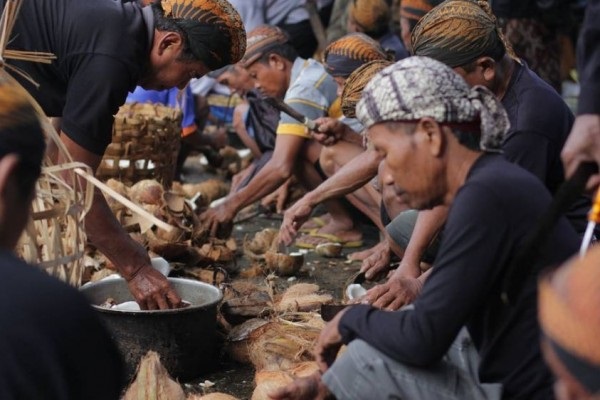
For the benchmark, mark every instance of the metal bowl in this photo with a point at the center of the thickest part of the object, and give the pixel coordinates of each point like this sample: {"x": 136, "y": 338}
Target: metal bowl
{"x": 185, "y": 338}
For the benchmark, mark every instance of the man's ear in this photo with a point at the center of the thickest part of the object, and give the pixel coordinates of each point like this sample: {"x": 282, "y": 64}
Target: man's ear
{"x": 433, "y": 135}
{"x": 168, "y": 41}
{"x": 276, "y": 61}
{"x": 488, "y": 68}
{"x": 8, "y": 166}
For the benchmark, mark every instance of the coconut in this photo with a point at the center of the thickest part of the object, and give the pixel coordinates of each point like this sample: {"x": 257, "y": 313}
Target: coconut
{"x": 212, "y": 396}
{"x": 268, "y": 381}
{"x": 152, "y": 381}
{"x": 217, "y": 250}
{"x": 120, "y": 188}
{"x": 209, "y": 190}
{"x": 329, "y": 249}
{"x": 260, "y": 243}
{"x": 283, "y": 264}
{"x": 147, "y": 191}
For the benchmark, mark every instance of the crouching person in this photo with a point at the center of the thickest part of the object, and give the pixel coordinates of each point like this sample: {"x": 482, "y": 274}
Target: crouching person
{"x": 439, "y": 143}
{"x": 52, "y": 345}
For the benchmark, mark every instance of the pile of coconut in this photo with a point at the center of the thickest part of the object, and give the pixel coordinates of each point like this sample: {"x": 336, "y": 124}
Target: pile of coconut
{"x": 187, "y": 244}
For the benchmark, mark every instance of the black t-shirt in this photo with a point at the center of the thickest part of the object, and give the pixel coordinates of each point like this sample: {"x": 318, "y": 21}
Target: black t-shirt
{"x": 101, "y": 46}
{"x": 52, "y": 345}
{"x": 588, "y": 60}
{"x": 540, "y": 124}
{"x": 490, "y": 216}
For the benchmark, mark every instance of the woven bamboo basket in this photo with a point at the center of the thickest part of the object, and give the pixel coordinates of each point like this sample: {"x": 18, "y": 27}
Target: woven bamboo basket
{"x": 146, "y": 140}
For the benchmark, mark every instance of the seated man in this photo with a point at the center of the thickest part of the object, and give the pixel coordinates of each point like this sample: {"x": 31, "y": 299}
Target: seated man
{"x": 341, "y": 136}
{"x": 439, "y": 141}
{"x": 52, "y": 343}
{"x": 254, "y": 121}
{"x": 305, "y": 86}
{"x": 372, "y": 17}
{"x": 464, "y": 35}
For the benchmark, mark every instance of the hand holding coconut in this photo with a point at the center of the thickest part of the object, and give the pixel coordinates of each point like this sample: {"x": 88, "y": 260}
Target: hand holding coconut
{"x": 293, "y": 219}
{"x": 394, "y": 294}
{"x": 218, "y": 220}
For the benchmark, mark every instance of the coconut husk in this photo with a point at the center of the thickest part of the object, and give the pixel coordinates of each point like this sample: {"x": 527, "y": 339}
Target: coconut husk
{"x": 253, "y": 271}
{"x": 101, "y": 274}
{"x": 282, "y": 344}
{"x": 240, "y": 337}
{"x": 211, "y": 396}
{"x": 147, "y": 191}
{"x": 232, "y": 161}
{"x": 219, "y": 250}
{"x": 213, "y": 276}
{"x": 262, "y": 241}
{"x": 153, "y": 382}
{"x": 268, "y": 381}
{"x": 302, "y": 297}
{"x": 239, "y": 309}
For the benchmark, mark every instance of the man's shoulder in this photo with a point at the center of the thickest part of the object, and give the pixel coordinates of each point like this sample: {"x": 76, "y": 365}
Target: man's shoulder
{"x": 312, "y": 81}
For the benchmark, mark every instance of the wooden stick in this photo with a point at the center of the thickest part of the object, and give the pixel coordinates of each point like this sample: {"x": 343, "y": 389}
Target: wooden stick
{"x": 123, "y": 200}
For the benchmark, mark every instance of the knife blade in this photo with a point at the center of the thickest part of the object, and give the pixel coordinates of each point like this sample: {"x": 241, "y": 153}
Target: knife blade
{"x": 281, "y": 106}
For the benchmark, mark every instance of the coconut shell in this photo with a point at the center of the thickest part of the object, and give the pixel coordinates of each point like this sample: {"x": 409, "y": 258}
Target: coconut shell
{"x": 147, "y": 191}
{"x": 268, "y": 381}
{"x": 283, "y": 264}
{"x": 240, "y": 337}
{"x": 152, "y": 381}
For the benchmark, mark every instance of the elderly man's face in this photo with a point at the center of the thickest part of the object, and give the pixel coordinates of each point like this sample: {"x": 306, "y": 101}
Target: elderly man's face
{"x": 411, "y": 167}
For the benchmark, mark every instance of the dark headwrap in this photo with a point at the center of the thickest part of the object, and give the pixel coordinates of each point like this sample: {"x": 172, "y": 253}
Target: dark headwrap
{"x": 419, "y": 87}
{"x": 457, "y": 32}
{"x": 348, "y": 53}
{"x": 356, "y": 82}
{"x": 569, "y": 304}
{"x": 260, "y": 40}
{"x": 213, "y": 28}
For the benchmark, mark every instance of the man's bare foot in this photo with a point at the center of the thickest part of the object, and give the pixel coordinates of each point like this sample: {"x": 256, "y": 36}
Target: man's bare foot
{"x": 308, "y": 388}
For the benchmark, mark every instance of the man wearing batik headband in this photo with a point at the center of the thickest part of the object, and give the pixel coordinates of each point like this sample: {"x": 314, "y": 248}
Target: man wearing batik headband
{"x": 569, "y": 299}
{"x": 103, "y": 50}
{"x": 440, "y": 140}
{"x": 305, "y": 86}
{"x": 464, "y": 35}
{"x": 411, "y": 11}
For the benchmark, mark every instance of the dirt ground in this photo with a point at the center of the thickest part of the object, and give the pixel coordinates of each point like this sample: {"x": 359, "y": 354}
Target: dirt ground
{"x": 331, "y": 274}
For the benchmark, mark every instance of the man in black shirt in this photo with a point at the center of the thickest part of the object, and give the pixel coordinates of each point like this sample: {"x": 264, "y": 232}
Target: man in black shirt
{"x": 438, "y": 138}
{"x": 52, "y": 345}
{"x": 103, "y": 50}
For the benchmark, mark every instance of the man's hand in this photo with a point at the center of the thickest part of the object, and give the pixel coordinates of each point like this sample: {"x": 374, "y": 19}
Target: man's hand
{"x": 329, "y": 342}
{"x": 218, "y": 220}
{"x": 151, "y": 290}
{"x": 394, "y": 294}
{"x": 378, "y": 262}
{"x": 293, "y": 219}
{"x": 329, "y": 131}
{"x": 278, "y": 197}
{"x": 583, "y": 144}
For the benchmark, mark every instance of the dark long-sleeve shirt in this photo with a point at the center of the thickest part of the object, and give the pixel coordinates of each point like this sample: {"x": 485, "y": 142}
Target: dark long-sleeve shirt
{"x": 490, "y": 216}
{"x": 588, "y": 60}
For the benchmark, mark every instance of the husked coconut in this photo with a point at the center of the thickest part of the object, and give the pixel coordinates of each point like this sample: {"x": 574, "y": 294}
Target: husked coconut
{"x": 268, "y": 381}
{"x": 152, "y": 381}
{"x": 260, "y": 243}
{"x": 147, "y": 191}
{"x": 212, "y": 396}
{"x": 329, "y": 249}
